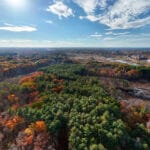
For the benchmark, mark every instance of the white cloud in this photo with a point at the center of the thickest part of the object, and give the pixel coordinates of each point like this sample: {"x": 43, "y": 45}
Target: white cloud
{"x": 125, "y": 14}
{"x": 137, "y": 23}
{"x": 90, "y": 6}
{"x": 103, "y": 3}
{"x": 118, "y": 33}
{"x": 108, "y": 39}
{"x": 60, "y": 9}
{"x": 109, "y": 33}
{"x": 89, "y": 17}
{"x": 38, "y": 43}
{"x": 131, "y": 40}
{"x": 87, "y": 5}
{"x": 122, "y": 14}
{"x": 7, "y": 24}
{"x": 127, "y": 40}
{"x": 49, "y": 21}
{"x": 96, "y": 35}
{"x": 12, "y": 28}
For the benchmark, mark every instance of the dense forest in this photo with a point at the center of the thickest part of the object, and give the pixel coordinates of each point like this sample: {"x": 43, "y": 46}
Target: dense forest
{"x": 66, "y": 107}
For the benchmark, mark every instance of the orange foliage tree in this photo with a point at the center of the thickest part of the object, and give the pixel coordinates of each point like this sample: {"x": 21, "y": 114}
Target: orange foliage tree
{"x": 132, "y": 73}
{"x": 58, "y": 89}
{"x": 12, "y": 123}
{"x": 12, "y": 98}
{"x": 40, "y": 126}
{"x": 31, "y": 78}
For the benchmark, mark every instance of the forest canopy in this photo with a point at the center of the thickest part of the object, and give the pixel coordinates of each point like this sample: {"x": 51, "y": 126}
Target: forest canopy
{"x": 67, "y": 105}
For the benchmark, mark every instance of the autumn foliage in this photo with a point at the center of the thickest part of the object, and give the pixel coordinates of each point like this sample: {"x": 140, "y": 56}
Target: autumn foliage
{"x": 13, "y": 98}
{"x": 12, "y": 123}
{"x": 31, "y": 78}
{"x": 134, "y": 114}
{"x": 40, "y": 126}
{"x": 63, "y": 108}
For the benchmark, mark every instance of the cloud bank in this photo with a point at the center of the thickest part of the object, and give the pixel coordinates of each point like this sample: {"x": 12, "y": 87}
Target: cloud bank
{"x": 121, "y": 14}
{"x": 12, "y": 28}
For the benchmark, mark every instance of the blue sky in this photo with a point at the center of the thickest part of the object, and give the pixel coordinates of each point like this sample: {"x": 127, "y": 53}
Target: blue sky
{"x": 75, "y": 23}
